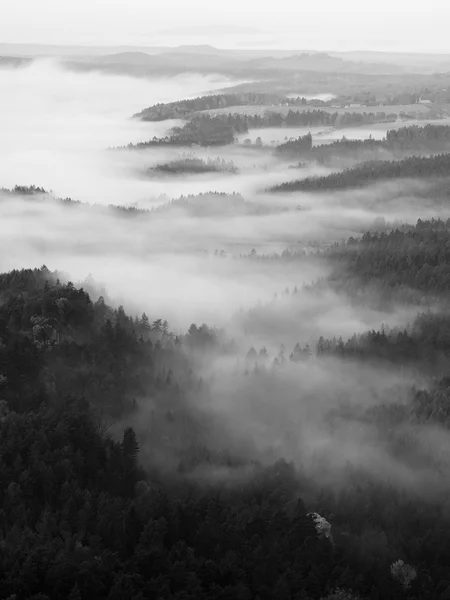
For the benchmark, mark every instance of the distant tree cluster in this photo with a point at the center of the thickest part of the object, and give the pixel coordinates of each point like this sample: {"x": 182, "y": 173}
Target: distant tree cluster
{"x": 24, "y": 190}
{"x": 413, "y": 167}
{"x": 412, "y": 257}
{"x": 301, "y": 145}
{"x": 200, "y": 131}
{"x": 192, "y": 164}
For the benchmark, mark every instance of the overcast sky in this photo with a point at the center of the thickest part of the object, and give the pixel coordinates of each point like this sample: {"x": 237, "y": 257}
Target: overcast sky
{"x": 327, "y": 24}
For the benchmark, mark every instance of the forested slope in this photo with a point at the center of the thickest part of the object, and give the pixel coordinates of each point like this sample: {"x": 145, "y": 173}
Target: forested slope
{"x": 80, "y": 518}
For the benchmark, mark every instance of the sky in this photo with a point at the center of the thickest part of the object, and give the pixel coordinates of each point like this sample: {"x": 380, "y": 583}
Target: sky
{"x": 391, "y": 25}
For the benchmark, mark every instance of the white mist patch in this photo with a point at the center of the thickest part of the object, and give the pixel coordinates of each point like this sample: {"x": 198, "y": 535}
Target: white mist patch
{"x": 156, "y": 263}
{"x": 292, "y": 413}
{"x": 57, "y": 125}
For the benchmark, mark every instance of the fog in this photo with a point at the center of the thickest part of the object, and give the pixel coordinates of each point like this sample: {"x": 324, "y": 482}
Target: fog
{"x": 162, "y": 262}
{"x": 286, "y": 414}
{"x": 58, "y": 126}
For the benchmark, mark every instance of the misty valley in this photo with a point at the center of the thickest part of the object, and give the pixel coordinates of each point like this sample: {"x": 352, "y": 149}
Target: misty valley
{"x": 224, "y": 326}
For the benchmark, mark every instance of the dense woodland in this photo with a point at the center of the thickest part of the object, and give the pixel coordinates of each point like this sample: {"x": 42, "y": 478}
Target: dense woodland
{"x": 81, "y": 516}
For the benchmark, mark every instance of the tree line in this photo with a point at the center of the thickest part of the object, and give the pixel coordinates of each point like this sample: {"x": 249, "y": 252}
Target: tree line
{"x": 242, "y": 123}
{"x": 184, "y": 108}
{"x": 413, "y": 167}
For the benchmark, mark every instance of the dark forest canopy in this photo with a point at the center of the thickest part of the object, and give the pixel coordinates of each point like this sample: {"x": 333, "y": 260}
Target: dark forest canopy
{"x": 82, "y": 518}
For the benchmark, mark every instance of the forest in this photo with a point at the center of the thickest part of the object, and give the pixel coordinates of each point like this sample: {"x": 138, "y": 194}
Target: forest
{"x": 82, "y": 516}
{"x": 209, "y": 388}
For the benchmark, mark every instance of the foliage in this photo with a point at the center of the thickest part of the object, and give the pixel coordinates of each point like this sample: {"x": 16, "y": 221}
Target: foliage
{"x": 183, "y": 108}
{"x": 301, "y": 145}
{"x": 188, "y": 164}
{"x": 201, "y": 131}
{"x": 403, "y": 573}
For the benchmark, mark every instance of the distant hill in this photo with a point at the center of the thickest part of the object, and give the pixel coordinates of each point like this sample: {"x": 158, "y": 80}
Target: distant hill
{"x": 411, "y": 62}
{"x": 377, "y": 61}
{"x": 204, "y": 59}
{"x": 321, "y": 62}
{"x": 128, "y": 58}
{"x": 192, "y": 57}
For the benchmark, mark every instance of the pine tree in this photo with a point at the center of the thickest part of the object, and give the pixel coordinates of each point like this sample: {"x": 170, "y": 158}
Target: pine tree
{"x": 74, "y": 593}
{"x": 130, "y": 446}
